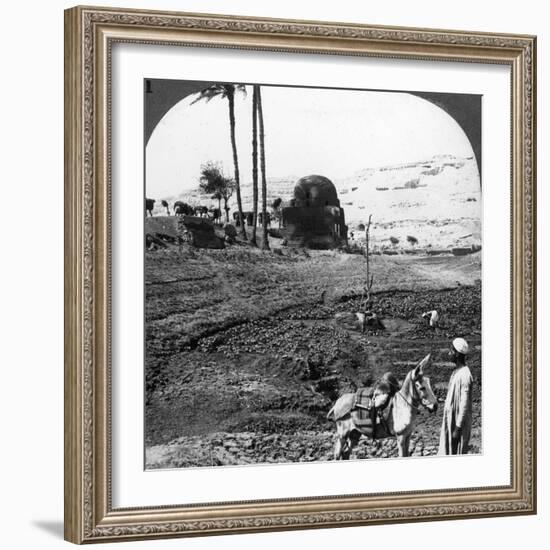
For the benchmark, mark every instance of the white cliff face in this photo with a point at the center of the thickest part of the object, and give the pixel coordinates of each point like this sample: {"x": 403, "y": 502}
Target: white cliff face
{"x": 434, "y": 189}
{"x": 437, "y": 201}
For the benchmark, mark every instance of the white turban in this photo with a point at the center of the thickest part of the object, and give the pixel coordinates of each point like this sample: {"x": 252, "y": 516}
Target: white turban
{"x": 460, "y": 345}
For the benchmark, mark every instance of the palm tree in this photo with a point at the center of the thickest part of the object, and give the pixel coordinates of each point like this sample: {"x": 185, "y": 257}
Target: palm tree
{"x": 213, "y": 181}
{"x": 254, "y": 163}
{"x": 228, "y": 91}
{"x": 265, "y": 240}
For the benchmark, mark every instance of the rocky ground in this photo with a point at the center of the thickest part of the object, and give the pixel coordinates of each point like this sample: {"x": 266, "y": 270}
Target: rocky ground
{"x": 224, "y": 449}
{"x": 242, "y": 367}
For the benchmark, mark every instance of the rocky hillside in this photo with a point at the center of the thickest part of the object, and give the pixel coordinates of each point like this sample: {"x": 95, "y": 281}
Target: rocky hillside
{"x": 436, "y": 201}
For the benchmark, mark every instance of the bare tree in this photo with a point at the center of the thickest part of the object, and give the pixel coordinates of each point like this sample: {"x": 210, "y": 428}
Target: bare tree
{"x": 366, "y": 298}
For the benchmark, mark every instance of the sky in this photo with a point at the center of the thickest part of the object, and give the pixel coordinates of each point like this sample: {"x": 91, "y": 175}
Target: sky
{"x": 334, "y": 133}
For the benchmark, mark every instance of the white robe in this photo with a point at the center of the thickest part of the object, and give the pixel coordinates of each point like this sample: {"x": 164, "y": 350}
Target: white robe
{"x": 457, "y": 413}
{"x": 433, "y": 317}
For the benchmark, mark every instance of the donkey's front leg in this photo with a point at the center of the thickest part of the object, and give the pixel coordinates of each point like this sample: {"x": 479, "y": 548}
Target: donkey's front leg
{"x": 338, "y": 447}
{"x": 403, "y": 444}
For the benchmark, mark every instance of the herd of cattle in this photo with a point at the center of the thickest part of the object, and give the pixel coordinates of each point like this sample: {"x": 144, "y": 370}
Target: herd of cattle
{"x": 215, "y": 214}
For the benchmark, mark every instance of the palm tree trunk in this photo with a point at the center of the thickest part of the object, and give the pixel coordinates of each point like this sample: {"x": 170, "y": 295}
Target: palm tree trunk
{"x": 231, "y": 100}
{"x": 226, "y": 208}
{"x": 265, "y": 240}
{"x": 254, "y": 162}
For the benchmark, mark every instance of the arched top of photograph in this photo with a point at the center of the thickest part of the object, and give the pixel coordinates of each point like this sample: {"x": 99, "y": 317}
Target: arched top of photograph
{"x": 333, "y": 132}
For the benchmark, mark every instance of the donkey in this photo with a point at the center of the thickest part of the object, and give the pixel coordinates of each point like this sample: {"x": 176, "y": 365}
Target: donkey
{"x": 402, "y": 411}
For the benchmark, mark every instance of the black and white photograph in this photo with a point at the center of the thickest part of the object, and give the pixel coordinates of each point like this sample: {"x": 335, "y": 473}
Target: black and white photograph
{"x": 312, "y": 274}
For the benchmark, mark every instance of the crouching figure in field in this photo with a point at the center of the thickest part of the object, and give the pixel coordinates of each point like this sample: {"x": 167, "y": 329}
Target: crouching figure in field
{"x": 386, "y": 410}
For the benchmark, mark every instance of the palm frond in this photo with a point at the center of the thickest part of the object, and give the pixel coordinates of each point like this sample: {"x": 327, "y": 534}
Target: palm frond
{"x": 210, "y": 93}
{"x": 239, "y": 89}
{"x": 219, "y": 90}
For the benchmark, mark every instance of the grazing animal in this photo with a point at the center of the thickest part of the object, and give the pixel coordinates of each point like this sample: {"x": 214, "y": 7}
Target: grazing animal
{"x": 149, "y": 205}
{"x": 165, "y": 205}
{"x": 215, "y": 214}
{"x": 267, "y": 217}
{"x": 237, "y": 218}
{"x": 183, "y": 209}
{"x": 249, "y": 218}
{"x": 401, "y": 417}
{"x": 201, "y": 211}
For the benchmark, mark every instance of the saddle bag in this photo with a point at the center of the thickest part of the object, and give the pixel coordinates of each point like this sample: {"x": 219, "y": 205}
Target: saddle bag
{"x": 364, "y": 414}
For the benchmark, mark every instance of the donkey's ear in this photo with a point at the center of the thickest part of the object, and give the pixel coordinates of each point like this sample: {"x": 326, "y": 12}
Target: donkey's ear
{"x": 419, "y": 369}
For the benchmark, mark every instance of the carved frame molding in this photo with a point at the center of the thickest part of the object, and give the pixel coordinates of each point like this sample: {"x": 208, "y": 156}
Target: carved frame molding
{"x": 89, "y": 35}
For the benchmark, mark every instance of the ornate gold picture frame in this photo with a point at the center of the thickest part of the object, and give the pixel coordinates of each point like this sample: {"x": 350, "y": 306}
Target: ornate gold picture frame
{"x": 90, "y": 34}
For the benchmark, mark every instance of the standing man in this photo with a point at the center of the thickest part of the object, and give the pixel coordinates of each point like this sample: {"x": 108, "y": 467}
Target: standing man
{"x": 457, "y": 414}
